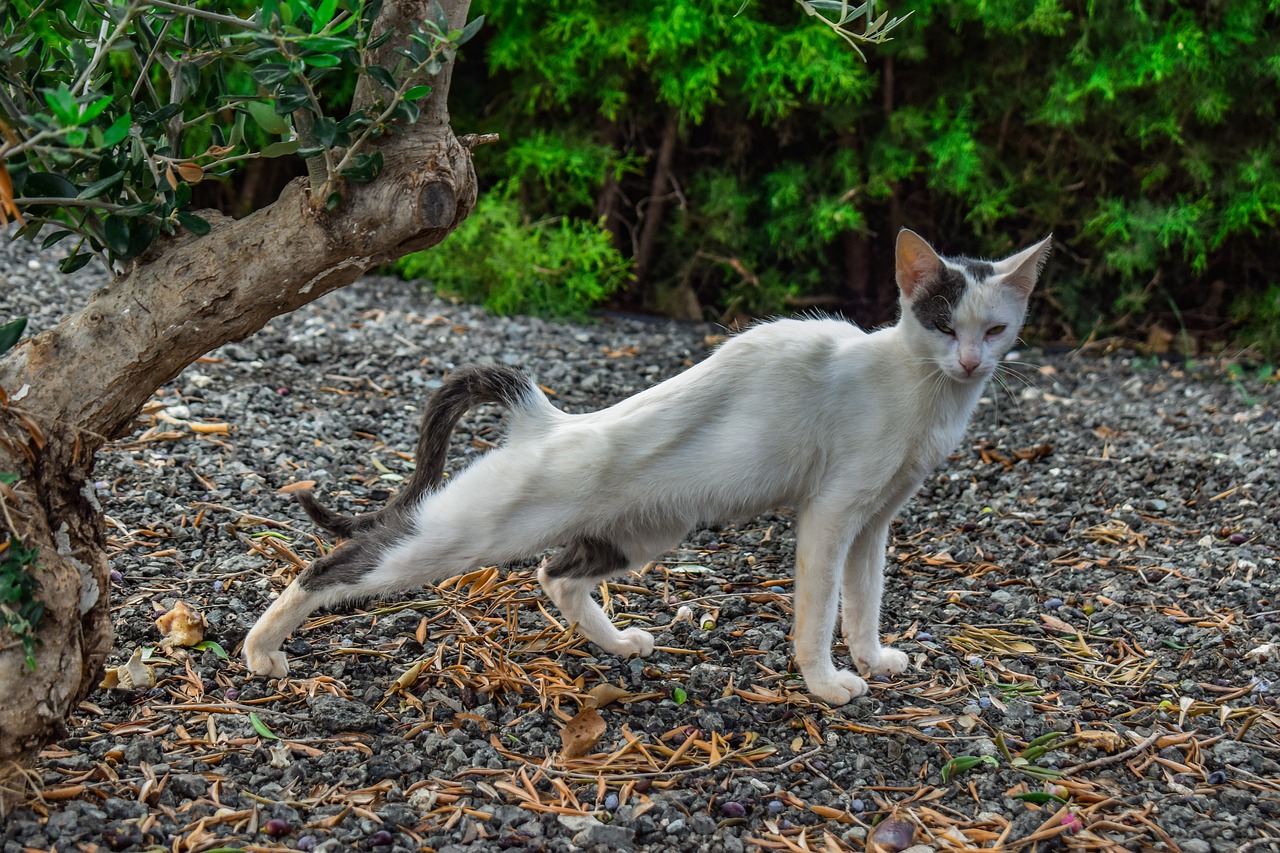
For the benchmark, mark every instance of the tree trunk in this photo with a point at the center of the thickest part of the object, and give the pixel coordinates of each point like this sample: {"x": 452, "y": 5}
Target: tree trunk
{"x": 71, "y": 389}
{"x": 657, "y": 202}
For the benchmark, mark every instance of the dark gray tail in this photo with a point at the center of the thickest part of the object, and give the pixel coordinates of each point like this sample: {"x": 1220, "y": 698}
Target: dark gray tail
{"x": 463, "y": 389}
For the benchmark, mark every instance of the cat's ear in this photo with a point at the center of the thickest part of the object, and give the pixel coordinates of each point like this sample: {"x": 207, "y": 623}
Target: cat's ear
{"x": 1022, "y": 270}
{"x": 916, "y": 262}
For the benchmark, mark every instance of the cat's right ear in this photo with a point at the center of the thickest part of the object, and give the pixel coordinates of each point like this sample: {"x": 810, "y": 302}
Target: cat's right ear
{"x": 916, "y": 262}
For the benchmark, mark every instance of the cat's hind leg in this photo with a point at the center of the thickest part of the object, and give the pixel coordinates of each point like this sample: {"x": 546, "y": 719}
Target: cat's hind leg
{"x": 861, "y": 591}
{"x": 341, "y": 575}
{"x": 571, "y": 575}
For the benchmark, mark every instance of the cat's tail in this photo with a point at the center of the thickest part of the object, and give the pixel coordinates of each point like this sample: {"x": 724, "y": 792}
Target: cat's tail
{"x": 462, "y": 389}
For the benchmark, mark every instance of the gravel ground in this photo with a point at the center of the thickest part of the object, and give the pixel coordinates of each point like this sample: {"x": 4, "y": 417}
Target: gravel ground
{"x": 1098, "y": 560}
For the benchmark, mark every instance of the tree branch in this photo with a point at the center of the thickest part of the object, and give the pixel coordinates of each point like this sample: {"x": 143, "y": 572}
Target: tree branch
{"x": 189, "y": 295}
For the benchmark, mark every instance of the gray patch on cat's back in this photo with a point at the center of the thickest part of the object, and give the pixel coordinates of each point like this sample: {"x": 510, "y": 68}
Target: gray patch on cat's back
{"x": 941, "y": 294}
{"x": 588, "y": 558}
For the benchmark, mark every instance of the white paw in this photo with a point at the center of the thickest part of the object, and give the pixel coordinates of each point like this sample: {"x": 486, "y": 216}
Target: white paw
{"x": 269, "y": 664}
{"x": 882, "y": 661}
{"x": 633, "y": 643}
{"x": 838, "y": 688}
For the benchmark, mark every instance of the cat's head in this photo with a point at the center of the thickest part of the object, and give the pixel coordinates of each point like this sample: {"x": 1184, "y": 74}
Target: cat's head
{"x": 963, "y": 314}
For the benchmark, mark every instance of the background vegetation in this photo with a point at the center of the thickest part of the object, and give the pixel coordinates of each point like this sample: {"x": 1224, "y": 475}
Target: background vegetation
{"x": 721, "y": 158}
{"x": 745, "y": 161}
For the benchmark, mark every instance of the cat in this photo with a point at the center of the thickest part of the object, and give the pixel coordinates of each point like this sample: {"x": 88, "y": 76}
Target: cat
{"x": 841, "y": 424}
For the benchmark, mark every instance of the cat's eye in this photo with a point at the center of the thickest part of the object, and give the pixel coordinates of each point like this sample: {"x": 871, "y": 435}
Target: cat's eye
{"x": 996, "y": 330}
{"x": 944, "y": 328}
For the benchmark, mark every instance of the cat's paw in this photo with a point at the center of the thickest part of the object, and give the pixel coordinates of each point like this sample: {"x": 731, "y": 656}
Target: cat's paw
{"x": 633, "y": 643}
{"x": 883, "y": 660}
{"x": 268, "y": 664}
{"x": 841, "y": 687}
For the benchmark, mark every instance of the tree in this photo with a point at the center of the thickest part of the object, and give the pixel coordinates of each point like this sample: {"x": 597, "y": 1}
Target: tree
{"x": 106, "y": 128}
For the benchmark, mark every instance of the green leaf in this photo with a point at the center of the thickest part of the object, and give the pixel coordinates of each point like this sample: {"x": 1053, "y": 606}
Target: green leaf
{"x": 332, "y": 202}
{"x": 211, "y": 646}
{"x": 470, "y": 30}
{"x": 679, "y": 696}
{"x": 63, "y": 104}
{"x": 95, "y": 109}
{"x": 119, "y": 129}
{"x": 322, "y": 60}
{"x": 97, "y": 188}
{"x": 54, "y": 238}
{"x": 272, "y": 74}
{"x": 325, "y": 131}
{"x": 265, "y": 116}
{"x": 261, "y": 727}
{"x": 416, "y": 92}
{"x": 116, "y": 231}
{"x": 193, "y": 223}
{"x": 382, "y": 75}
{"x": 5, "y": 477}
{"x": 1039, "y": 797}
{"x": 280, "y": 149}
{"x": 71, "y": 263}
{"x": 963, "y": 763}
{"x": 366, "y": 168}
{"x": 9, "y": 334}
{"x": 323, "y": 15}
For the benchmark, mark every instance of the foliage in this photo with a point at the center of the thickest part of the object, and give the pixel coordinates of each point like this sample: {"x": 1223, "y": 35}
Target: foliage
{"x": 20, "y": 611}
{"x": 1141, "y": 134}
{"x": 1259, "y": 316}
{"x": 557, "y": 267}
{"x": 112, "y": 111}
{"x": 10, "y": 333}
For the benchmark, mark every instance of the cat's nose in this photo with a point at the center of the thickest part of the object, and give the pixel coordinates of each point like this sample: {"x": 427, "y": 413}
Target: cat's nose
{"x": 970, "y": 366}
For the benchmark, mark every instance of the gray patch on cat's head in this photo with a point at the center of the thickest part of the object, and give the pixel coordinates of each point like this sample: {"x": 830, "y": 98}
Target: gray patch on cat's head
{"x": 978, "y": 270}
{"x": 938, "y": 297}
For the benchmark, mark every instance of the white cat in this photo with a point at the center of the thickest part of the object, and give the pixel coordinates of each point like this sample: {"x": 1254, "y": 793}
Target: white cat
{"x": 841, "y": 424}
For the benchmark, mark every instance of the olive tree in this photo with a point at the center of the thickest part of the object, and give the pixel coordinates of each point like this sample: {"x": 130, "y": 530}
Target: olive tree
{"x": 110, "y": 113}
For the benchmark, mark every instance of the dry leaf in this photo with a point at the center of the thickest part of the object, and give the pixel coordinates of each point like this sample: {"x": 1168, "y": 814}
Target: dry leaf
{"x": 211, "y": 429}
{"x": 1053, "y": 623}
{"x": 132, "y": 675}
{"x": 1264, "y": 652}
{"x": 1106, "y": 741}
{"x": 603, "y": 694}
{"x": 191, "y": 172}
{"x": 581, "y": 733}
{"x": 7, "y": 206}
{"x": 182, "y": 626}
{"x": 294, "y": 487}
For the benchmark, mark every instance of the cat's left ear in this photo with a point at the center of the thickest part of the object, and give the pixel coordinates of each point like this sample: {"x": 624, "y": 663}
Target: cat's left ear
{"x": 1023, "y": 269}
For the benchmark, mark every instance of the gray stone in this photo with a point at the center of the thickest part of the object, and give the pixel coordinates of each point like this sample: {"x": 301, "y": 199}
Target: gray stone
{"x": 334, "y": 714}
{"x": 610, "y": 835}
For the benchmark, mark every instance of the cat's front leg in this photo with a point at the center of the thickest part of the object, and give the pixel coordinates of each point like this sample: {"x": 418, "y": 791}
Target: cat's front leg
{"x": 822, "y": 543}
{"x": 861, "y": 592}
{"x": 341, "y": 574}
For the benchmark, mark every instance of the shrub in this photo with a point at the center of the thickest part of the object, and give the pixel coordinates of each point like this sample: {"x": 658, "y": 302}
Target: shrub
{"x": 1141, "y": 134}
{"x": 558, "y": 267}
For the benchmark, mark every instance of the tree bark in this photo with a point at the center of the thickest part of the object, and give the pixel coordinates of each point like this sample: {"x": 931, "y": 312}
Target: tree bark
{"x": 80, "y": 384}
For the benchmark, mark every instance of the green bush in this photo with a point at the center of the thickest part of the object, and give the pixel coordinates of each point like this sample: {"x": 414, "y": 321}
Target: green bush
{"x": 557, "y": 267}
{"x": 1142, "y": 134}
